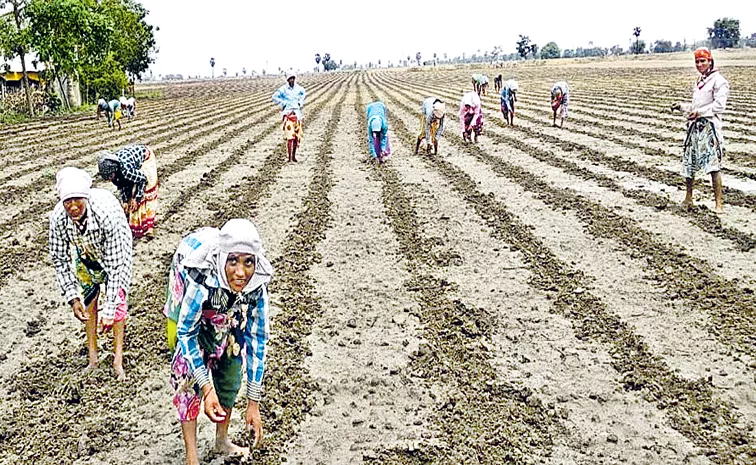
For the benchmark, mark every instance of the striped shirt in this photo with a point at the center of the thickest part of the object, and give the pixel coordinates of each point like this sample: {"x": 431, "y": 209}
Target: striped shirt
{"x": 198, "y": 287}
{"x": 130, "y": 180}
{"x": 107, "y": 240}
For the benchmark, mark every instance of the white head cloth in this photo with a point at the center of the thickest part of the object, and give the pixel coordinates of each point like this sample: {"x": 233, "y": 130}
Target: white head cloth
{"x": 240, "y": 236}
{"x": 72, "y": 182}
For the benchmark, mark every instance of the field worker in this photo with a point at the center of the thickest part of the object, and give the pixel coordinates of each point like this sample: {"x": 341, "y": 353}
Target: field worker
{"x": 115, "y": 113}
{"x": 91, "y": 224}
{"x": 497, "y": 83}
{"x": 704, "y": 143}
{"x": 218, "y": 320}
{"x": 483, "y": 84}
{"x": 291, "y": 98}
{"x": 480, "y": 83}
{"x": 560, "y": 101}
{"x": 132, "y": 106}
{"x": 471, "y": 116}
{"x": 102, "y": 106}
{"x": 377, "y": 128}
{"x": 508, "y": 99}
{"x": 432, "y": 115}
{"x": 133, "y": 170}
{"x": 124, "y": 106}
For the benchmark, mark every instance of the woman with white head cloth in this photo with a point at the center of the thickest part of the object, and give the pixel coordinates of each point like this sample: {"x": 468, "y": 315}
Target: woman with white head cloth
{"x": 218, "y": 320}
{"x": 291, "y": 98}
{"x": 90, "y": 226}
{"x": 432, "y": 115}
{"x": 471, "y": 116}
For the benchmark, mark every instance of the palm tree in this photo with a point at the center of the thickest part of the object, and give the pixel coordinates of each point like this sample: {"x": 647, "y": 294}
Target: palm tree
{"x": 417, "y": 57}
{"x": 434, "y": 58}
{"x": 636, "y": 33}
{"x": 224, "y": 72}
{"x": 244, "y": 71}
{"x": 212, "y": 65}
{"x": 317, "y": 59}
{"x": 408, "y": 58}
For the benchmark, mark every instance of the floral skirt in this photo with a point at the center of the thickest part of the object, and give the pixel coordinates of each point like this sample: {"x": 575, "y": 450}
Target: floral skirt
{"x": 142, "y": 220}
{"x": 91, "y": 276}
{"x": 292, "y": 128}
{"x": 702, "y": 150}
{"x": 433, "y": 129}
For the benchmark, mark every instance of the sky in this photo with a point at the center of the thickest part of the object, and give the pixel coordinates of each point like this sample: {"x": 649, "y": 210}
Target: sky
{"x": 271, "y": 34}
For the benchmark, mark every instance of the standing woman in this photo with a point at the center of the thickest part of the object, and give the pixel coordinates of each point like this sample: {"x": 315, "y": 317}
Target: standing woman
{"x": 704, "y": 144}
{"x": 133, "y": 170}
{"x": 560, "y": 101}
{"x": 291, "y": 98}
{"x": 377, "y": 126}
{"x": 471, "y": 116}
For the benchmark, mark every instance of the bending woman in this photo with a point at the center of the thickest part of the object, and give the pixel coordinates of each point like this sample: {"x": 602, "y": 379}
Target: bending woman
{"x": 133, "y": 170}
{"x": 377, "y": 126}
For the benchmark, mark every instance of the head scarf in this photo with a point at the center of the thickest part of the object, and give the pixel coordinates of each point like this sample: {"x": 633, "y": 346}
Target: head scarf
{"x": 108, "y": 164}
{"x": 290, "y": 74}
{"x": 240, "y": 236}
{"x": 439, "y": 110}
{"x": 72, "y": 182}
{"x": 375, "y": 124}
{"x": 702, "y": 52}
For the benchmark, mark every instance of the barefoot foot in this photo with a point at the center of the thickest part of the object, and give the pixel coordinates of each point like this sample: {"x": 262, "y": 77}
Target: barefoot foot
{"x": 226, "y": 447}
{"x": 120, "y": 374}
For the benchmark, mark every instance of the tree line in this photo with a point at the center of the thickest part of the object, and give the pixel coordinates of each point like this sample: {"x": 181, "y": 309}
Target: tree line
{"x": 102, "y": 44}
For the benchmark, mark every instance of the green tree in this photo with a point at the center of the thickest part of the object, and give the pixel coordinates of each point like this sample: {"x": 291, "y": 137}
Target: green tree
{"x": 637, "y": 33}
{"x": 616, "y": 50}
{"x": 134, "y": 45}
{"x": 751, "y": 41}
{"x": 523, "y": 46}
{"x": 725, "y": 33}
{"x": 104, "y": 79}
{"x": 638, "y": 47}
{"x": 534, "y": 50}
{"x": 68, "y": 35}
{"x": 663, "y": 46}
{"x": 550, "y": 50}
{"x": 14, "y": 40}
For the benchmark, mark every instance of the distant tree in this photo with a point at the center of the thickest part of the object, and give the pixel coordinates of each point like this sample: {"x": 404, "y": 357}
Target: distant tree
{"x": 244, "y": 71}
{"x": 329, "y": 65}
{"x": 224, "y": 72}
{"x": 434, "y": 58}
{"x": 523, "y": 46}
{"x": 212, "y": 66}
{"x": 418, "y": 57}
{"x": 134, "y": 43}
{"x": 379, "y": 63}
{"x": 317, "y": 60}
{"x": 550, "y": 50}
{"x": 445, "y": 57}
{"x": 326, "y": 57}
{"x": 751, "y": 41}
{"x": 662, "y": 46}
{"x": 678, "y": 47}
{"x": 568, "y": 53}
{"x": 408, "y": 58}
{"x": 616, "y": 50}
{"x": 725, "y": 33}
{"x": 341, "y": 62}
{"x": 534, "y": 50}
{"x": 496, "y": 53}
{"x": 637, "y": 33}
{"x": 638, "y": 47}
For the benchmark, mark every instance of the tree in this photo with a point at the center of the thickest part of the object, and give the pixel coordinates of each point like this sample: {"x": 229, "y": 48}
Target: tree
{"x": 523, "y": 46}
{"x": 418, "y": 57}
{"x": 568, "y": 53}
{"x": 725, "y": 33}
{"x": 496, "y": 53}
{"x": 434, "y": 58}
{"x": 212, "y": 66}
{"x": 662, "y": 46}
{"x": 550, "y": 50}
{"x": 317, "y": 59}
{"x": 534, "y": 50}
{"x": 69, "y": 35}
{"x": 638, "y": 47}
{"x": 637, "y": 33}
{"x": 14, "y": 41}
{"x": 244, "y": 71}
{"x": 224, "y": 72}
{"x": 751, "y": 41}
{"x": 616, "y": 50}
{"x": 134, "y": 44}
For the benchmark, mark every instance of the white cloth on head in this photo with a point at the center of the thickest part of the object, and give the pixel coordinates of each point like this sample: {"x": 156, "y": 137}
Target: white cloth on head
{"x": 376, "y": 125}
{"x": 72, "y": 182}
{"x": 240, "y": 236}
{"x": 472, "y": 99}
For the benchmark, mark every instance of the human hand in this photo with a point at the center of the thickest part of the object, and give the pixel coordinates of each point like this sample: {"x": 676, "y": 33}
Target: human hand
{"x": 693, "y": 115}
{"x": 213, "y": 409}
{"x": 106, "y": 324}
{"x": 254, "y": 422}
{"x": 79, "y": 311}
{"x": 132, "y": 205}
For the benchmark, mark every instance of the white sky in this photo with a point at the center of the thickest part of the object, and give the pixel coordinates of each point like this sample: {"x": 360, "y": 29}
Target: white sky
{"x": 268, "y": 34}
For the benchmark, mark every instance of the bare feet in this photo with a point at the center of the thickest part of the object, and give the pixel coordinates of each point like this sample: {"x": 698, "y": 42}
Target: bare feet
{"x": 226, "y": 447}
{"x": 719, "y": 209}
{"x": 686, "y": 204}
{"x": 90, "y": 368}
{"x": 120, "y": 374}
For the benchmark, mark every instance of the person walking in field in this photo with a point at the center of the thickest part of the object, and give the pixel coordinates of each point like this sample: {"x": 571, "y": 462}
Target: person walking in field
{"x": 133, "y": 170}
{"x": 91, "y": 250}
{"x": 291, "y": 98}
{"x": 704, "y": 142}
{"x": 508, "y": 99}
{"x": 432, "y": 115}
{"x": 218, "y": 308}
{"x": 560, "y": 102}
{"x": 471, "y": 116}
{"x": 377, "y": 128}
